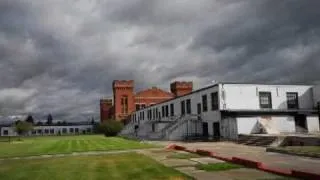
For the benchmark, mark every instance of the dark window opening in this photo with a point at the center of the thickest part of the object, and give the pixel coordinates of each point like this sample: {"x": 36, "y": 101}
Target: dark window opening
{"x": 265, "y": 100}
{"x": 163, "y": 113}
{"x": 214, "y": 101}
{"x": 167, "y": 110}
{"x": 183, "y": 110}
{"x": 188, "y": 106}
{"x": 137, "y": 107}
{"x": 171, "y": 110}
{"x": 5, "y": 132}
{"x": 292, "y": 100}
{"x": 204, "y": 103}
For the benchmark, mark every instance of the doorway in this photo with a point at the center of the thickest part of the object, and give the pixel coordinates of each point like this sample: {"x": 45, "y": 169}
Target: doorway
{"x": 301, "y": 123}
{"x": 216, "y": 130}
{"x": 205, "y": 132}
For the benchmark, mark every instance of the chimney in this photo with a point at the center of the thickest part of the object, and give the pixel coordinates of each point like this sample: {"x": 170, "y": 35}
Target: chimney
{"x": 180, "y": 88}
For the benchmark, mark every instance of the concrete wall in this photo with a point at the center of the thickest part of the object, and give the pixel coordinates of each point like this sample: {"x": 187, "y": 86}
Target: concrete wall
{"x": 229, "y": 128}
{"x": 276, "y": 124}
{"x": 246, "y": 96}
{"x": 56, "y": 130}
{"x": 313, "y": 124}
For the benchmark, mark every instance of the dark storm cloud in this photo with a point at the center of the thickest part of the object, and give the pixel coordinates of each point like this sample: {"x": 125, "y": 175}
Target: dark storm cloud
{"x": 60, "y": 57}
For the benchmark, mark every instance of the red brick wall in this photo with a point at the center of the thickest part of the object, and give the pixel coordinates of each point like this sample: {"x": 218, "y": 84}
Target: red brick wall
{"x": 122, "y": 88}
{"x": 179, "y": 88}
{"x": 106, "y": 108}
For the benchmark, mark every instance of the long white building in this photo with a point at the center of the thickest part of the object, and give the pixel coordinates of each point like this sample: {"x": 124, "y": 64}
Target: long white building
{"x": 225, "y": 110}
{"x": 50, "y": 130}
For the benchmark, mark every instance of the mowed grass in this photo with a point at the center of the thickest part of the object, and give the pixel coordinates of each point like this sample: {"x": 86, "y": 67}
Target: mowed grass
{"x": 116, "y": 166}
{"x": 302, "y": 149}
{"x": 66, "y": 144}
{"x": 218, "y": 166}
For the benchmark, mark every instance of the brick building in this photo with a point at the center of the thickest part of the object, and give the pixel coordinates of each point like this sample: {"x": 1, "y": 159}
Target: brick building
{"x": 127, "y": 101}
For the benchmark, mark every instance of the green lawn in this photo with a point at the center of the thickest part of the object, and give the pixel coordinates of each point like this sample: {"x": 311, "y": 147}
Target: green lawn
{"x": 218, "y": 166}
{"x": 66, "y": 144}
{"x": 302, "y": 149}
{"x": 116, "y": 166}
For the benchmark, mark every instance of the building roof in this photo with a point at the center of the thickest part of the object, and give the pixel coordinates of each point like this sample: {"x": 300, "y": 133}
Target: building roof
{"x": 154, "y": 92}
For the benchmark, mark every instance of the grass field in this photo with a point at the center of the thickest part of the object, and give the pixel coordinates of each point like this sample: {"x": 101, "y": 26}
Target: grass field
{"x": 66, "y": 144}
{"x": 117, "y": 166}
{"x": 218, "y": 166}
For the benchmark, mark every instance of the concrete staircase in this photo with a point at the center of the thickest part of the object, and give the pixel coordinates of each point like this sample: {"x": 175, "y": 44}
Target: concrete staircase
{"x": 254, "y": 140}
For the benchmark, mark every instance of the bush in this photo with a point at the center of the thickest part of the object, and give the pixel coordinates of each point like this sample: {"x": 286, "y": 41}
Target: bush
{"x": 109, "y": 128}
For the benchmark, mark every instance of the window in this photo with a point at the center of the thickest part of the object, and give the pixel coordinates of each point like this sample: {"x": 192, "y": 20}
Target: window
{"x": 34, "y": 132}
{"x": 64, "y": 130}
{"x": 204, "y": 103}
{"x": 183, "y": 110}
{"x": 171, "y": 110}
{"x": 167, "y": 110}
{"x": 157, "y": 114}
{"x": 39, "y": 131}
{"x": 71, "y": 130}
{"x": 163, "y": 113}
{"x": 5, "y": 132}
{"x": 188, "y": 106}
{"x": 51, "y": 131}
{"x": 142, "y": 106}
{"x": 46, "y": 131}
{"x": 214, "y": 101}
{"x": 292, "y": 100}
{"x": 124, "y": 104}
{"x": 76, "y": 130}
{"x": 137, "y": 107}
{"x": 265, "y": 100}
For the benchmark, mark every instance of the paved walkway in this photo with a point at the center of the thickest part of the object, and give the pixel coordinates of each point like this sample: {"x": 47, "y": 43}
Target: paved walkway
{"x": 78, "y": 154}
{"x": 271, "y": 159}
{"x": 187, "y": 166}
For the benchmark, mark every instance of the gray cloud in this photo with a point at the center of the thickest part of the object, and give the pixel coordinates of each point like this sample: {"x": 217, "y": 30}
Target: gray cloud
{"x": 61, "y": 57}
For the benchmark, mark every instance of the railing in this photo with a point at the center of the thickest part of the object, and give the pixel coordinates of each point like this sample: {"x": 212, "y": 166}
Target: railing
{"x": 181, "y": 121}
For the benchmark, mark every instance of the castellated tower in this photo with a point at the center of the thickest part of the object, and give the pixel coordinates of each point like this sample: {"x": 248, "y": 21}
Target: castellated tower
{"x": 180, "y": 88}
{"x": 123, "y": 98}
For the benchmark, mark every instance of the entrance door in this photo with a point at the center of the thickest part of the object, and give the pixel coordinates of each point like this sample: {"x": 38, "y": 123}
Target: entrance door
{"x": 205, "y": 129}
{"x": 216, "y": 130}
{"x": 301, "y": 123}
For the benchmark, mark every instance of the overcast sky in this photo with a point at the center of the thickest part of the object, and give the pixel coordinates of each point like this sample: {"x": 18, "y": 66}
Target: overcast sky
{"x": 60, "y": 57}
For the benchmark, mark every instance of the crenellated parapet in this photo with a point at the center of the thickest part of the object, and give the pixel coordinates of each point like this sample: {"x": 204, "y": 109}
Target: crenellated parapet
{"x": 123, "y": 84}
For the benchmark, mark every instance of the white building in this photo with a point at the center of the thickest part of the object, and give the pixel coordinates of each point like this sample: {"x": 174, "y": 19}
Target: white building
{"x": 225, "y": 110}
{"x": 50, "y": 130}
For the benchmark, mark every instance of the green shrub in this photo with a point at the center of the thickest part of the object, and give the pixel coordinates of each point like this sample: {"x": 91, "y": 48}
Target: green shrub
{"x": 109, "y": 128}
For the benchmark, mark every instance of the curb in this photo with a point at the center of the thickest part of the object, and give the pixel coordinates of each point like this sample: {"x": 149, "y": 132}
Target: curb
{"x": 250, "y": 164}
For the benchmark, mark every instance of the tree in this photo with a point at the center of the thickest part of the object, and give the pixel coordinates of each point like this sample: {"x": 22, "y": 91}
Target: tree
{"x": 22, "y": 127}
{"x": 109, "y": 128}
{"x": 49, "y": 119}
{"x": 39, "y": 123}
{"x": 30, "y": 119}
